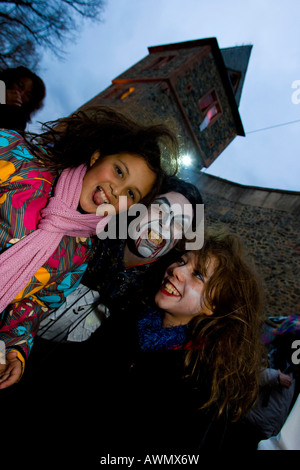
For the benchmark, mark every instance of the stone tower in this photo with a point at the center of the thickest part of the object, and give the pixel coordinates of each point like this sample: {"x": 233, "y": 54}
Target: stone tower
{"x": 200, "y": 86}
{"x": 196, "y": 83}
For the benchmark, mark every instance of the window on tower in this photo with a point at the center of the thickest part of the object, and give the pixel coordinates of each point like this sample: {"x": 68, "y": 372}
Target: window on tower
{"x": 160, "y": 61}
{"x": 210, "y": 109}
{"x": 119, "y": 92}
{"x": 127, "y": 92}
{"x": 235, "y": 78}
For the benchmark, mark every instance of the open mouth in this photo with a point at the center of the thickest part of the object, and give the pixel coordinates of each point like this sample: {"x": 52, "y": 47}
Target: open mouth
{"x": 100, "y": 196}
{"x": 169, "y": 289}
{"x": 155, "y": 238}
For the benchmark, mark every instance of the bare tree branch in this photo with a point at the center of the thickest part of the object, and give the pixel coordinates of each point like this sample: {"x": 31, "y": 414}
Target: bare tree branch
{"x": 29, "y": 26}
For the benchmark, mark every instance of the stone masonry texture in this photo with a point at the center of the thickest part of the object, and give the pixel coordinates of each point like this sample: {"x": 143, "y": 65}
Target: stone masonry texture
{"x": 268, "y": 222}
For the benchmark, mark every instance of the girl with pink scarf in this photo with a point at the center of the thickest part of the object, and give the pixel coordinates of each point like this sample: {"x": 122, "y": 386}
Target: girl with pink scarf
{"x": 50, "y": 191}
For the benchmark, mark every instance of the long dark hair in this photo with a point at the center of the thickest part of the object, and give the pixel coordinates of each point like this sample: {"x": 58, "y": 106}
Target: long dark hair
{"x": 71, "y": 141}
{"x": 228, "y": 343}
{"x": 12, "y": 75}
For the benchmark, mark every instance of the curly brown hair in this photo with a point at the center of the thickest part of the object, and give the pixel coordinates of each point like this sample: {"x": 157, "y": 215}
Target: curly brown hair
{"x": 71, "y": 141}
{"x": 228, "y": 343}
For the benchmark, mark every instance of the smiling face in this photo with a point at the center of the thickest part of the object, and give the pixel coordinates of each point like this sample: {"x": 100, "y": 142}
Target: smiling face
{"x": 181, "y": 294}
{"x": 168, "y": 217}
{"x": 108, "y": 178}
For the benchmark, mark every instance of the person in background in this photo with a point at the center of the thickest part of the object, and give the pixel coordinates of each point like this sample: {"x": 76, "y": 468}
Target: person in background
{"x": 25, "y": 93}
{"x": 274, "y": 404}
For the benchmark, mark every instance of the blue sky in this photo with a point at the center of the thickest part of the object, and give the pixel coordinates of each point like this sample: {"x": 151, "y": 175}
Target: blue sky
{"x": 102, "y": 51}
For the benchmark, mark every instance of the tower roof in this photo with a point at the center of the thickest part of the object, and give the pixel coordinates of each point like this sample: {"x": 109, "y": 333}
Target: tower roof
{"x": 237, "y": 59}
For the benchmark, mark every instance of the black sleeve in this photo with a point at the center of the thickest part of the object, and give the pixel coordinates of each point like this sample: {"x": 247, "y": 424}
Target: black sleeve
{"x": 12, "y": 117}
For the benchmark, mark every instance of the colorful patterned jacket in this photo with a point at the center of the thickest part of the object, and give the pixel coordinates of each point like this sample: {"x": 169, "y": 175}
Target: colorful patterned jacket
{"x": 25, "y": 188}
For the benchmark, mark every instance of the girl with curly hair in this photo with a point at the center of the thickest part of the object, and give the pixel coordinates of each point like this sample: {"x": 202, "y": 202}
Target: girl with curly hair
{"x": 194, "y": 370}
{"x": 51, "y": 187}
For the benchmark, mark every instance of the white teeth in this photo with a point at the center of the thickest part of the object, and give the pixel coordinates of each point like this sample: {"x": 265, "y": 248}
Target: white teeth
{"x": 170, "y": 288}
{"x": 155, "y": 238}
{"x": 103, "y": 195}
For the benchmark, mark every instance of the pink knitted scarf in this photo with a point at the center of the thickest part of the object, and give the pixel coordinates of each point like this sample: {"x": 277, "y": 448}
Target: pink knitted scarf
{"x": 21, "y": 261}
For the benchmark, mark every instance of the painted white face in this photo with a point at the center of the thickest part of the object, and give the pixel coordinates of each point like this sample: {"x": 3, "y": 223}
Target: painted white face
{"x": 168, "y": 217}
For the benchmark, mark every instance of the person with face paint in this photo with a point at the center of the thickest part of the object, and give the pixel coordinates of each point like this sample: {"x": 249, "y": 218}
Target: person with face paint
{"x": 169, "y": 217}
{"x": 121, "y": 271}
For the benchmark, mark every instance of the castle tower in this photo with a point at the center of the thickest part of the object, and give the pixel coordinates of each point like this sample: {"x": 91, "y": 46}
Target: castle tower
{"x": 196, "y": 83}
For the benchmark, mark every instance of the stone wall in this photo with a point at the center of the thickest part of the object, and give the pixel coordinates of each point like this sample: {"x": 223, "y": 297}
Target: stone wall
{"x": 268, "y": 222}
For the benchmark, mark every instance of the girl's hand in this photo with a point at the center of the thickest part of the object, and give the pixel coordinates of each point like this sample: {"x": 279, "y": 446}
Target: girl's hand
{"x": 10, "y": 372}
{"x": 284, "y": 380}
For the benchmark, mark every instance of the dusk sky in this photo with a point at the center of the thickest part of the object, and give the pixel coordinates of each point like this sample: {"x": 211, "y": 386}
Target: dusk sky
{"x": 268, "y": 158}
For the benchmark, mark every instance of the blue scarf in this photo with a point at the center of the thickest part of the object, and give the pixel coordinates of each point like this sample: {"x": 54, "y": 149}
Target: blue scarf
{"x": 152, "y": 335}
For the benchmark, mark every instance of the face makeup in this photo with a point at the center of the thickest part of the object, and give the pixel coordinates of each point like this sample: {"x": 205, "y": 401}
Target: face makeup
{"x": 168, "y": 217}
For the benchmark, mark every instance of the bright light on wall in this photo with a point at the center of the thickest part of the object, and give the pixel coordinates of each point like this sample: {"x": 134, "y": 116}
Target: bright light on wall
{"x": 186, "y": 160}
